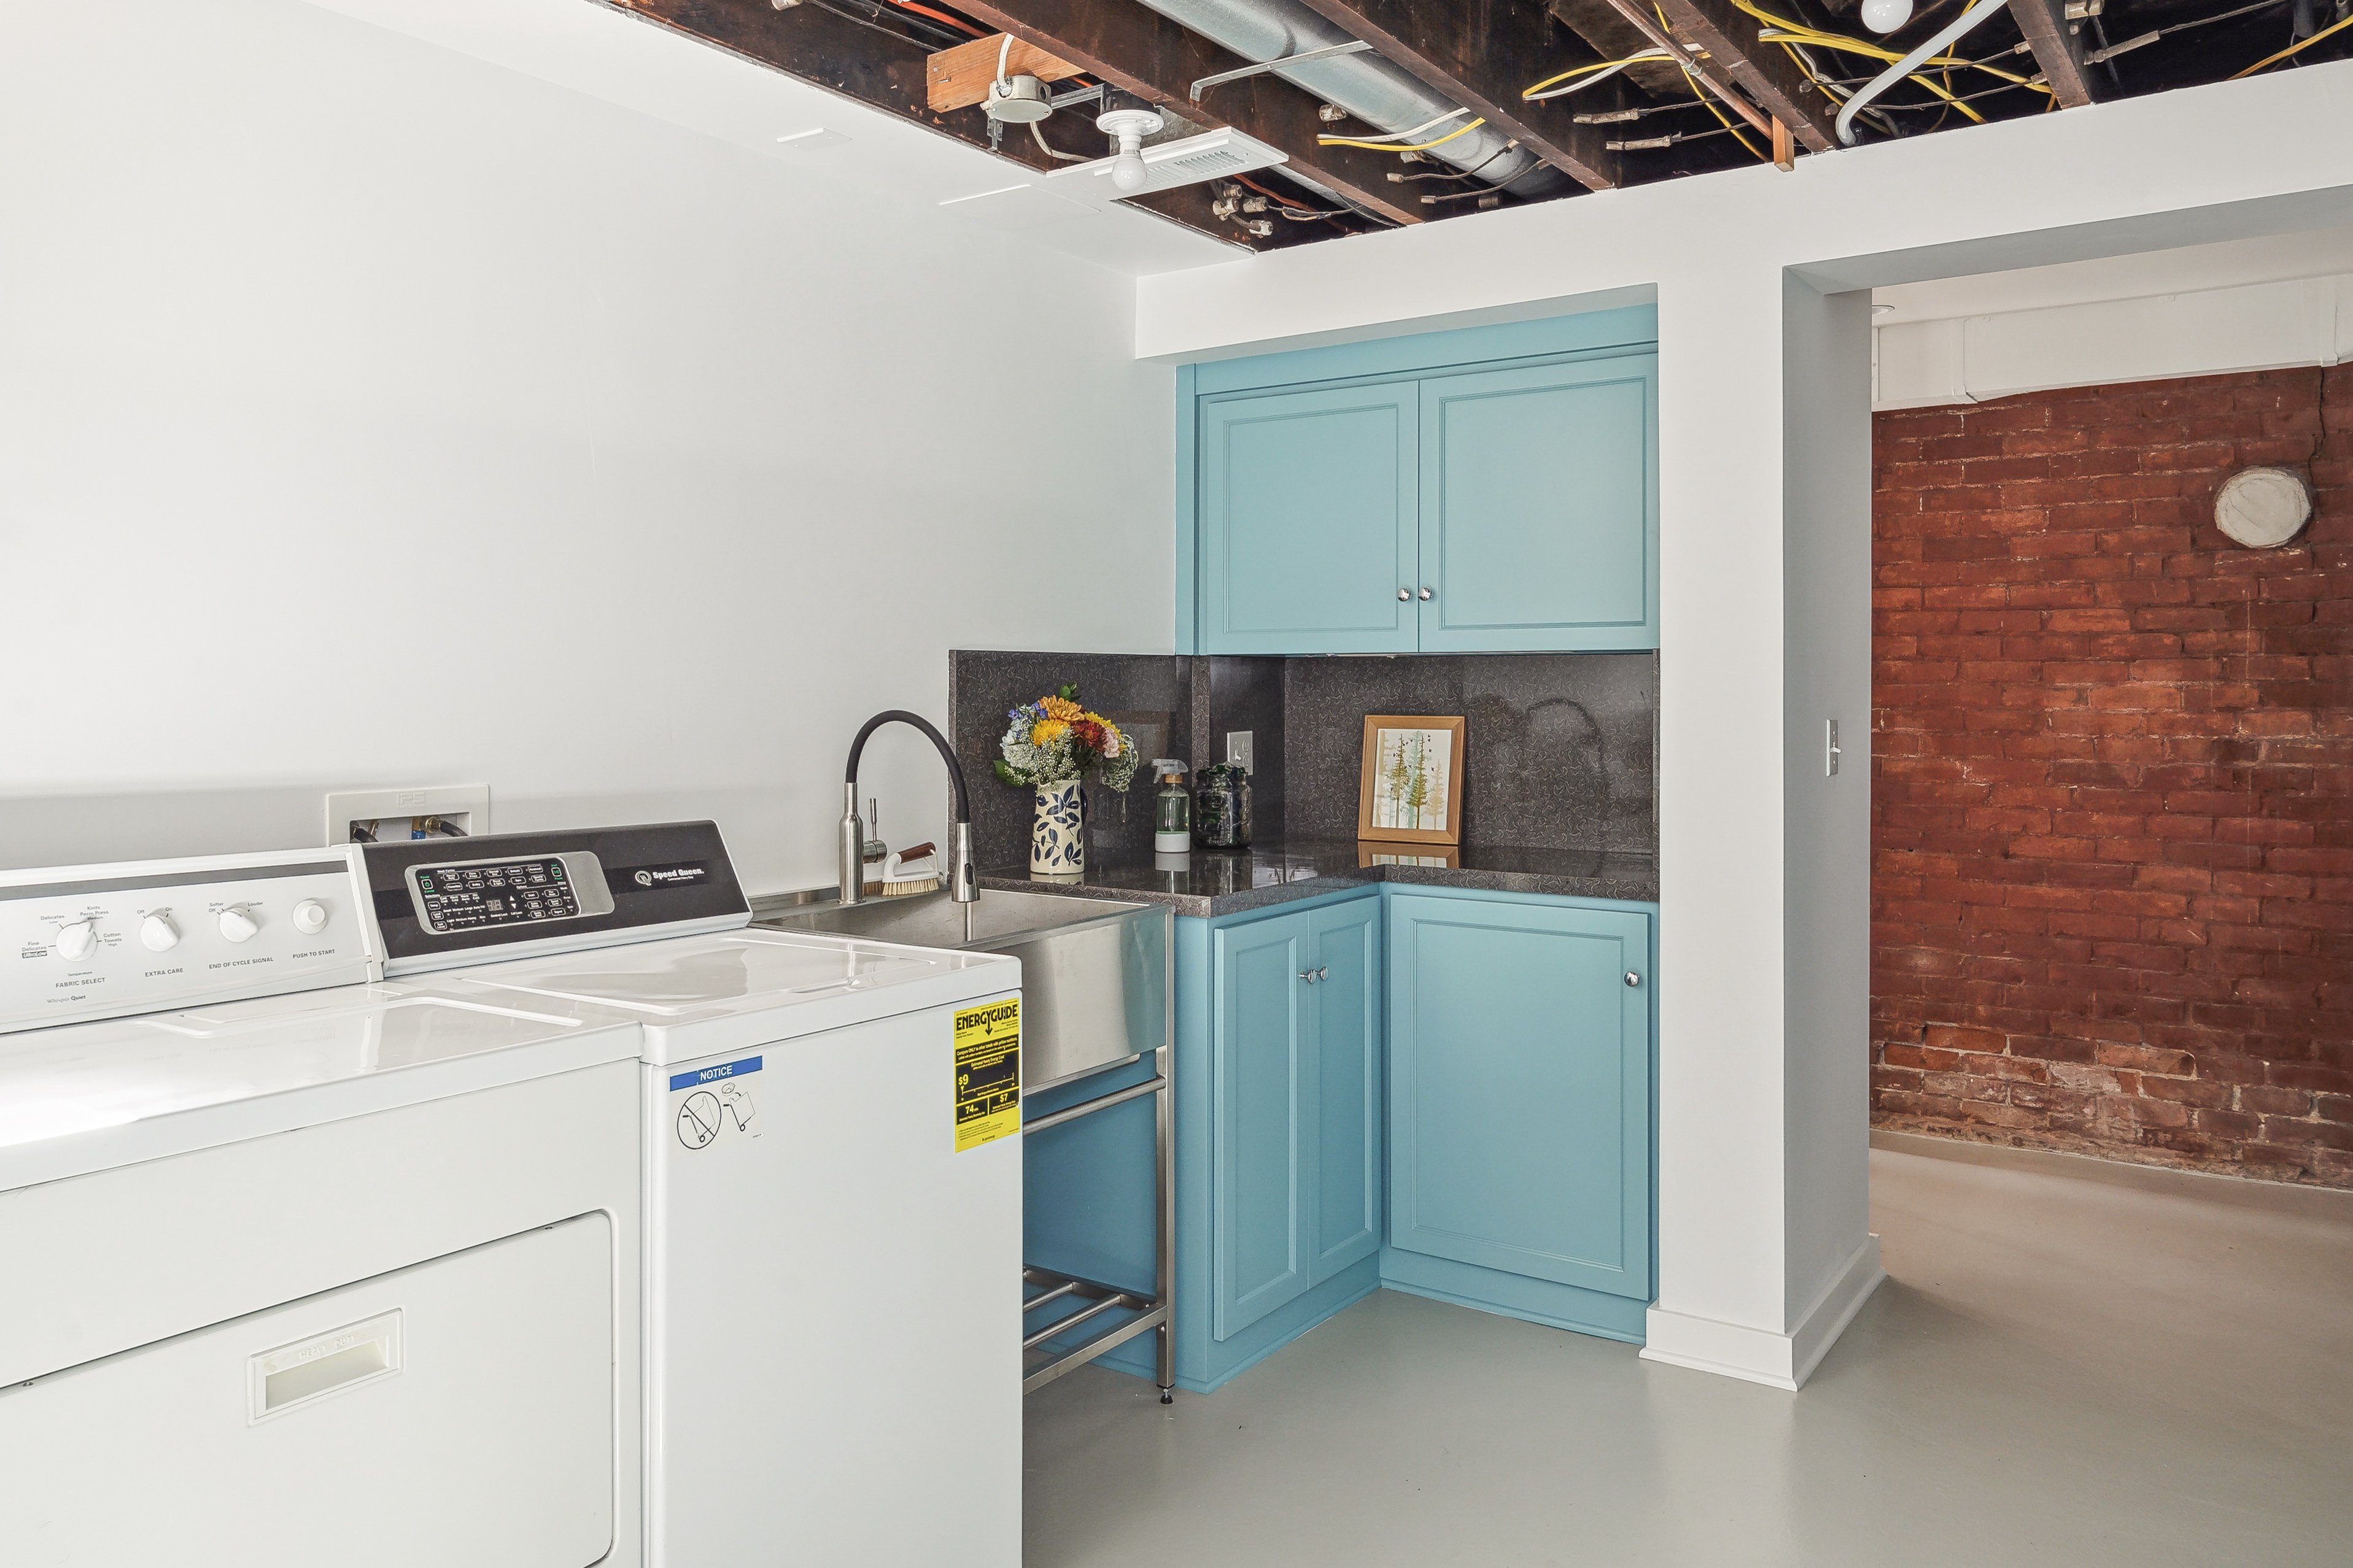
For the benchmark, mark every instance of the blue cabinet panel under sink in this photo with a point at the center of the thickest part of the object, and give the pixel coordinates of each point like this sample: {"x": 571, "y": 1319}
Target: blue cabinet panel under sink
{"x": 1263, "y": 1134}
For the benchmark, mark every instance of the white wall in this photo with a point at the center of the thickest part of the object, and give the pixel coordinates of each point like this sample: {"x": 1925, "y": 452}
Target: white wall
{"x": 370, "y": 415}
{"x": 1762, "y": 1125}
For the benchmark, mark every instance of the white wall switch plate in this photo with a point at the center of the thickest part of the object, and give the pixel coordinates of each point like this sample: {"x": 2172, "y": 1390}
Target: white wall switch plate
{"x": 1239, "y": 749}
{"x": 391, "y": 815}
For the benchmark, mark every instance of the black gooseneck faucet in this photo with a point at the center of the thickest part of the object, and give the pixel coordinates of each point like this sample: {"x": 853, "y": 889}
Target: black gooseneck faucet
{"x": 963, "y": 880}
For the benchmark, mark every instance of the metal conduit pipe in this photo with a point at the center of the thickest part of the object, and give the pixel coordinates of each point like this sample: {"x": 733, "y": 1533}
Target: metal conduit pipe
{"x": 1366, "y": 85}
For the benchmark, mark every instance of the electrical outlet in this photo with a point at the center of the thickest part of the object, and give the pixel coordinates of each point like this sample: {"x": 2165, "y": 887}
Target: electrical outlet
{"x": 1830, "y": 749}
{"x": 1238, "y": 749}
{"x": 386, "y": 815}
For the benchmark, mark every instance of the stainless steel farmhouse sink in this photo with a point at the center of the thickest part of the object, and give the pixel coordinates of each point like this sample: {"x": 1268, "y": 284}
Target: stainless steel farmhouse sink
{"x": 1094, "y": 973}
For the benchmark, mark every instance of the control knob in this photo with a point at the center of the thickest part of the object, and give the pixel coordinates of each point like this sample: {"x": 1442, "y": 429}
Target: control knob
{"x": 158, "y": 933}
{"x": 309, "y": 916}
{"x": 76, "y": 938}
{"x": 236, "y": 924}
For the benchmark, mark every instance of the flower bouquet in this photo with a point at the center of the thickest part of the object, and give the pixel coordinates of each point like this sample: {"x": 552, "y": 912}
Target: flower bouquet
{"x": 1050, "y": 746}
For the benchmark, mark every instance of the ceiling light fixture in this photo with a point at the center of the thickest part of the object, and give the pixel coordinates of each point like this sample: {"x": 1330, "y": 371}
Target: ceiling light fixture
{"x": 1127, "y": 128}
{"x": 1886, "y": 16}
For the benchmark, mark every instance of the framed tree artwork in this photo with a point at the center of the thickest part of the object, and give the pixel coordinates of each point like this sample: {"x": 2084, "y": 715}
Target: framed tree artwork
{"x": 1412, "y": 792}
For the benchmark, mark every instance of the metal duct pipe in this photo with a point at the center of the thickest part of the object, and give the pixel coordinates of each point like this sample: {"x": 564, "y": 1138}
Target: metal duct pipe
{"x": 1366, "y": 85}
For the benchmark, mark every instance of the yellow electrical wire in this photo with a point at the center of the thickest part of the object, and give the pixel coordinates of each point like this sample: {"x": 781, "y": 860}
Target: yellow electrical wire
{"x": 1647, "y": 55}
{"x": 2292, "y": 48}
{"x": 1393, "y": 147}
{"x": 1691, "y": 80}
{"x": 1801, "y": 33}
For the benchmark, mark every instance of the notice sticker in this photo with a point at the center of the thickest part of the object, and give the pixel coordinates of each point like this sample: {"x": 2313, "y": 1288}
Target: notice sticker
{"x": 988, "y": 1073}
{"x": 715, "y": 1105}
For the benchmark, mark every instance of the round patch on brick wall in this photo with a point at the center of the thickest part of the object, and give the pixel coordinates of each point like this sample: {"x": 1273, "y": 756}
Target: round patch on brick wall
{"x": 2263, "y": 507}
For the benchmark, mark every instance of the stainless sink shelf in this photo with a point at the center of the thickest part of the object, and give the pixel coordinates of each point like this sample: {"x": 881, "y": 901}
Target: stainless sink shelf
{"x": 1099, "y": 990}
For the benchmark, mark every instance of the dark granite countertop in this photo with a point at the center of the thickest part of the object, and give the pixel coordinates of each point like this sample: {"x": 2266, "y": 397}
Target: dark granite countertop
{"x": 1228, "y": 882}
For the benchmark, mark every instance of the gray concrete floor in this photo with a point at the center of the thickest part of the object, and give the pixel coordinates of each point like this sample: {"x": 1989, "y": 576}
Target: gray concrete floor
{"x": 2069, "y": 1369}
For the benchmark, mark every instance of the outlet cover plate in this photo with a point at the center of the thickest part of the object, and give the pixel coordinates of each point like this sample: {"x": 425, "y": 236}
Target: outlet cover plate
{"x": 1239, "y": 747}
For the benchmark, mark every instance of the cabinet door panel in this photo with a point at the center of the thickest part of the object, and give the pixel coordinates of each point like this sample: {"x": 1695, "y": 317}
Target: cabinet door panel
{"x": 1520, "y": 1090}
{"x": 1261, "y": 1144}
{"x": 1539, "y": 507}
{"x": 1307, "y": 521}
{"x": 1344, "y": 950}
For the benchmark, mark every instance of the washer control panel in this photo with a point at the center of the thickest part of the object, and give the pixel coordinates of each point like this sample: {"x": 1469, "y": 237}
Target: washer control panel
{"x": 478, "y": 895}
{"x": 79, "y": 943}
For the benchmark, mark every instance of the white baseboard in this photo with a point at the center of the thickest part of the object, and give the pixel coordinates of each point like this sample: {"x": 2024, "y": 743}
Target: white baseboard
{"x": 1760, "y": 1355}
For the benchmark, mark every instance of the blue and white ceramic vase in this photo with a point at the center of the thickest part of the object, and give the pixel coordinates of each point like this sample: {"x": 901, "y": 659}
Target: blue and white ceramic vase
{"x": 1058, "y": 844}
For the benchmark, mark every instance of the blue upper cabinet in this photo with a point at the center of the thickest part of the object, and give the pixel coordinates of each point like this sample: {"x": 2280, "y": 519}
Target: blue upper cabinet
{"x": 1490, "y": 490}
{"x": 1307, "y": 521}
{"x": 1539, "y": 508}
{"x": 1519, "y": 1089}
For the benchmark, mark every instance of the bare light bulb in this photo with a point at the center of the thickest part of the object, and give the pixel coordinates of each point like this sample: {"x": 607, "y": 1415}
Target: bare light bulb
{"x": 1127, "y": 128}
{"x": 1886, "y": 16}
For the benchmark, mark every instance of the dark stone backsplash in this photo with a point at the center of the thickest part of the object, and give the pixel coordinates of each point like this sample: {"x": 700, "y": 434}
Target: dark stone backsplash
{"x": 982, "y": 687}
{"x": 1560, "y": 747}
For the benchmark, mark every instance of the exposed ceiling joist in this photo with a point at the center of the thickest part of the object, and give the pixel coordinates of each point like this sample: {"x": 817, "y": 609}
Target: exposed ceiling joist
{"x": 1710, "y": 76}
{"x": 1764, "y": 71}
{"x": 1481, "y": 53}
{"x": 959, "y": 78}
{"x": 1143, "y": 52}
{"x": 2058, "y": 50}
{"x": 863, "y": 63}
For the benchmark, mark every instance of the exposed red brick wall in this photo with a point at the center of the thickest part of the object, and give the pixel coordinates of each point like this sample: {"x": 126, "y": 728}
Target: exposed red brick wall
{"x": 2112, "y": 818}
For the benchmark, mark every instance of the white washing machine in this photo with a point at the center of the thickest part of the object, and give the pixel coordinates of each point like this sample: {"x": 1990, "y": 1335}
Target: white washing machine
{"x": 303, "y": 1267}
{"x": 833, "y": 1192}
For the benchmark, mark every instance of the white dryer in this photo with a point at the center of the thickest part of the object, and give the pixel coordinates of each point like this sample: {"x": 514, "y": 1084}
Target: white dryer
{"x": 832, "y": 1191}
{"x": 303, "y": 1267}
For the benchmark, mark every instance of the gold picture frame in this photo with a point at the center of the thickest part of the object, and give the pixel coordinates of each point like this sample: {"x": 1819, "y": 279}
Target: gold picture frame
{"x": 1410, "y": 787}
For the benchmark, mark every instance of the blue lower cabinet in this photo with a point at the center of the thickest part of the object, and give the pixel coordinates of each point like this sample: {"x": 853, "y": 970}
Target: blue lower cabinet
{"x": 1264, "y": 1137}
{"x": 1447, "y": 1093}
{"x": 1296, "y": 1191}
{"x": 1344, "y": 946}
{"x": 1520, "y": 1105}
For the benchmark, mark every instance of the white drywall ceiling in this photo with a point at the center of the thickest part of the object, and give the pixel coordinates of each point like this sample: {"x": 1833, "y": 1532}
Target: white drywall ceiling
{"x": 639, "y": 65}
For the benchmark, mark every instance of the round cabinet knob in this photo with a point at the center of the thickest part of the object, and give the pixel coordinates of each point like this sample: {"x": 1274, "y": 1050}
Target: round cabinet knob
{"x": 1405, "y": 593}
{"x": 1633, "y": 978}
{"x": 75, "y": 939}
{"x": 1429, "y": 593}
{"x": 309, "y": 916}
{"x": 237, "y": 925}
{"x": 157, "y": 932}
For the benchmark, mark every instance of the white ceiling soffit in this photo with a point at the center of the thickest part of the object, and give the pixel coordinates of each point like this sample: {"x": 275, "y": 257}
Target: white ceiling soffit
{"x": 651, "y": 70}
{"x": 2208, "y": 332}
{"x": 2208, "y": 309}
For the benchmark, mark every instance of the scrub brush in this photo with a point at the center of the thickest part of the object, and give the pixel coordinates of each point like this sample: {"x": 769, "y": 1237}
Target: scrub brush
{"x": 914, "y": 869}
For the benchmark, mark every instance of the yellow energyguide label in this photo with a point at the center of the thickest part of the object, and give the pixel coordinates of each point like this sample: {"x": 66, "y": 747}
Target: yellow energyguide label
{"x": 988, "y": 1073}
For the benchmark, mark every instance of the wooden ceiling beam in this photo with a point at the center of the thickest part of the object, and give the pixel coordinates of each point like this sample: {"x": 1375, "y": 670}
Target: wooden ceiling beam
{"x": 1142, "y": 52}
{"x": 1480, "y": 53}
{"x": 2058, "y": 50}
{"x": 961, "y": 77}
{"x": 1764, "y": 71}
